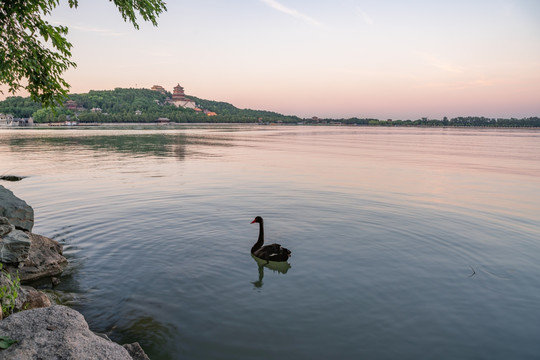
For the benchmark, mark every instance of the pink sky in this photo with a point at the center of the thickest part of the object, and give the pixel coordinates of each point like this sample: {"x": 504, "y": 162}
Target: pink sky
{"x": 390, "y": 59}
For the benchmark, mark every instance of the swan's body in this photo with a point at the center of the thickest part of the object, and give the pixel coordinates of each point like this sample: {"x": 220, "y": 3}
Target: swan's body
{"x": 272, "y": 252}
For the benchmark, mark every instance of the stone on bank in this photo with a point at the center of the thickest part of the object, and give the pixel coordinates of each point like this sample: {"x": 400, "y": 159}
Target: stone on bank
{"x": 42, "y": 331}
{"x": 14, "y": 244}
{"x": 16, "y": 210}
{"x": 56, "y": 332}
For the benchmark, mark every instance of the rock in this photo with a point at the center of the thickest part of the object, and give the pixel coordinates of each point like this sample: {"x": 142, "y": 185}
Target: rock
{"x": 55, "y": 332}
{"x": 44, "y": 259}
{"x": 27, "y": 297}
{"x": 55, "y": 281}
{"x": 136, "y": 351}
{"x": 5, "y": 226}
{"x": 14, "y": 244}
{"x": 30, "y": 298}
{"x": 14, "y": 247}
{"x": 11, "y": 177}
{"x": 16, "y": 210}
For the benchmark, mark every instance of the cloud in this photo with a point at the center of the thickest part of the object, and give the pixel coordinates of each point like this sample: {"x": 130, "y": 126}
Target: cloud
{"x": 286, "y": 10}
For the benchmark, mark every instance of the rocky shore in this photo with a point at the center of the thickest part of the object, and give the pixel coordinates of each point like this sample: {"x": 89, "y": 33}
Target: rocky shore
{"x": 34, "y": 327}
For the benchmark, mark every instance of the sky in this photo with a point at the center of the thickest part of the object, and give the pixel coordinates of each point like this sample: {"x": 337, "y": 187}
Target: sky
{"x": 334, "y": 58}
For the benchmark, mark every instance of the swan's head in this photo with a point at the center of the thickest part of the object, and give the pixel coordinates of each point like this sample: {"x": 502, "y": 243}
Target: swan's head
{"x": 258, "y": 219}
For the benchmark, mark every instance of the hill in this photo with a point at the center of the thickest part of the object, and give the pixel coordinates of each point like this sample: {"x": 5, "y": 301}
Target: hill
{"x": 134, "y": 105}
{"x": 228, "y": 111}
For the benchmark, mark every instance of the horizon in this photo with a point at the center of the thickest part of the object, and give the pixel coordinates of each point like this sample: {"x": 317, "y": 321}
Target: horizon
{"x": 345, "y": 59}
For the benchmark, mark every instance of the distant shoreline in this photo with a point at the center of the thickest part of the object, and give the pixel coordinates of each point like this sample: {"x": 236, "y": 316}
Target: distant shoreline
{"x": 140, "y": 125}
{"x": 147, "y": 106}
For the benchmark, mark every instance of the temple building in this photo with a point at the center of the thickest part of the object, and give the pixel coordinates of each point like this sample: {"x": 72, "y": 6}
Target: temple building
{"x": 71, "y": 105}
{"x": 179, "y": 98}
{"x": 159, "y": 88}
{"x": 178, "y": 93}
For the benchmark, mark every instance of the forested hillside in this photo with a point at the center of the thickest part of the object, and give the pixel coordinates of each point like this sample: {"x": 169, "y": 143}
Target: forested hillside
{"x": 19, "y": 107}
{"x": 230, "y": 113}
{"x": 133, "y": 105}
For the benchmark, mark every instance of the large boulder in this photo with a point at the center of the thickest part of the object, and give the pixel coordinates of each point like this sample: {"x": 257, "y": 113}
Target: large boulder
{"x": 44, "y": 259}
{"x": 56, "y": 332}
{"x": 16, "y": 210}
{"x": 14, "y": 244}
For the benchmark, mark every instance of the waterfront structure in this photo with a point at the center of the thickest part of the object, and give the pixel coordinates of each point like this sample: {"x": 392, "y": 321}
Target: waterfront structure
{"x": 6, "y": 119}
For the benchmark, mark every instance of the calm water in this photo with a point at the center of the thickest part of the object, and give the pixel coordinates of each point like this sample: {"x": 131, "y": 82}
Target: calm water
{"x": 407, "y": 243}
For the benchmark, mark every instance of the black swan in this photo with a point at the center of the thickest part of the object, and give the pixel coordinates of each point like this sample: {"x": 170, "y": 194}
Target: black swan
{"x": 273, "y": 252}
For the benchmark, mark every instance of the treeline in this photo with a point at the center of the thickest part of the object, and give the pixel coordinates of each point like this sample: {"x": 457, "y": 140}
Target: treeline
{"x": 19, "y": 107}
{"x": 230, "y": 113}
{"x": 458, "y": 121}
{"x": 146, "y": 106}
{"x": 120, "y": 101}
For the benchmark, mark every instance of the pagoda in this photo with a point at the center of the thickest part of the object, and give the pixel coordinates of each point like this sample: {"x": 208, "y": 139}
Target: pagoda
{"x": 179, "y": 98}
{"x": 178, "y": 93}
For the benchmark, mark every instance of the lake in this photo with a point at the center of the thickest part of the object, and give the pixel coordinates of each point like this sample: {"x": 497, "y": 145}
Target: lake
{"x": 407, "y": 243}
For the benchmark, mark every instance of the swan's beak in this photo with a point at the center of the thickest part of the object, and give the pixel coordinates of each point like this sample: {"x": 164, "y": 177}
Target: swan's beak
{"x": 253, "y": 221}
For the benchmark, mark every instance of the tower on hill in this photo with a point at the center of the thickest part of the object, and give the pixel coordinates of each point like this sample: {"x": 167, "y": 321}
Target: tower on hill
{"x": 178, "y": 93}
{"x": 179, "y": 98}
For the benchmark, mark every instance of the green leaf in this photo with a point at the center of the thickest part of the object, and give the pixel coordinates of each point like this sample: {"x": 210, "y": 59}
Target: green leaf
{"x": 34, "y": 54}
{"x": 6, "y": 342}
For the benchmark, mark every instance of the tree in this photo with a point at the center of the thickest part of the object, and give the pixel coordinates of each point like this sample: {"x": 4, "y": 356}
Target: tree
{"x": 34, "y": 54}
{"x": 19, "y": 107}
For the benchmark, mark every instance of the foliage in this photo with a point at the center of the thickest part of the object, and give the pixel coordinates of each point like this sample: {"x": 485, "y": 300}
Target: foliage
{"x": 34, "y": 51}
{"x": 9, "y": 293}
{"x": 454, "y": 122}
{"x": 19, "y": 107}
{"x": 227, "y": 112}
{"x": 6, "y": 342}
{"x": 46, "y": 115}
{"x": 120, "y": 105}
{"x": 119, "y": 100}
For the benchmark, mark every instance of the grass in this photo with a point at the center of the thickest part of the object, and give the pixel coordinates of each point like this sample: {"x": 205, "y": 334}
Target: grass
{"x": 9, "y": 293}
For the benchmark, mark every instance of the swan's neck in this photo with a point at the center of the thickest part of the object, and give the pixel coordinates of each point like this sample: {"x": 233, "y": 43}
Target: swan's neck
{"x": 260, "y": 240}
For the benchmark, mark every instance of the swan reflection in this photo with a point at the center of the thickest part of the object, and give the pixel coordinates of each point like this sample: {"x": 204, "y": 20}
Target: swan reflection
{"x": 277, "y": 266}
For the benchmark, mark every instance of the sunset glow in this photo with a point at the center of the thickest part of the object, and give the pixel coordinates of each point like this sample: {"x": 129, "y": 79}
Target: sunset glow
{"x": 382, "y": 59}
